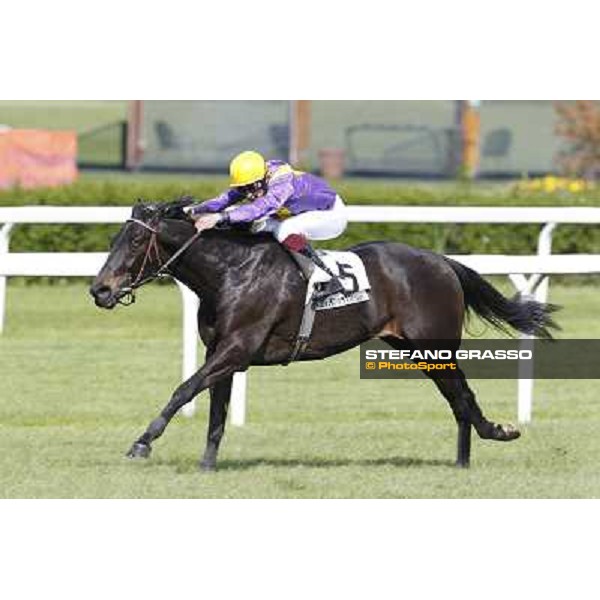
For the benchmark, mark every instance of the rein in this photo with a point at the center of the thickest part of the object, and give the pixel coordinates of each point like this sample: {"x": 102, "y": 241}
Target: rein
{"x": 129, "y": 295}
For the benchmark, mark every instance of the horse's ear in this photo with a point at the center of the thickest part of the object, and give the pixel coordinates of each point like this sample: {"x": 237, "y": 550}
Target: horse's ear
{"x": 174, "y": 209}
{"x": 186, "y": 200}
{"x": 137, "y": 208}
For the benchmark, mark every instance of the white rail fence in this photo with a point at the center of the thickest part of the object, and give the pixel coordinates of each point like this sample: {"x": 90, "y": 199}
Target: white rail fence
{"x": 527, "y": 273}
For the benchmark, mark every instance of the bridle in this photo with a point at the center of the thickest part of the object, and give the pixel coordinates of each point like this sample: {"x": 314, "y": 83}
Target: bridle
{"x": 128, "y": 293}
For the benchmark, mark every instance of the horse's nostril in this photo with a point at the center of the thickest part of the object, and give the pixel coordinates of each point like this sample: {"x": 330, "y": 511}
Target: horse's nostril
{"x": 100, "y": 291}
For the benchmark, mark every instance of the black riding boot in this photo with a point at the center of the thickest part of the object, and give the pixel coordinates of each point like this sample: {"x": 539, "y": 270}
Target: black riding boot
{"x": 333, "y": 286}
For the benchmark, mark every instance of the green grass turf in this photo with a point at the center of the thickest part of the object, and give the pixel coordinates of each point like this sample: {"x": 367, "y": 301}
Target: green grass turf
{"x": 78, "y": 384}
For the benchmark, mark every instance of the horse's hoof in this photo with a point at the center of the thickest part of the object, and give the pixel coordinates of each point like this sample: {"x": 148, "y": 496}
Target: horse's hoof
{"x": 506, "y": 433}
{"x": 462, "y": 464}
{"x": 207, "y": 467}
{"x": 139, "y": 450}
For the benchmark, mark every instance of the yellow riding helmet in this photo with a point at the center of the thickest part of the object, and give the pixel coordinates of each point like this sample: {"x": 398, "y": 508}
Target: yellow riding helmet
{"x": 246, "y": 168}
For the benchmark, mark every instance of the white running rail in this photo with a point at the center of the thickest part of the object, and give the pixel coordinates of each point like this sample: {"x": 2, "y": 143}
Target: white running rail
{"x": 528, "y": 273}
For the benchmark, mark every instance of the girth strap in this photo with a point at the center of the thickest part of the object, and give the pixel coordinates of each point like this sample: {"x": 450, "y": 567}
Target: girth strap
{"x": 306, "y": 325}
{"x": 306, "y": 267}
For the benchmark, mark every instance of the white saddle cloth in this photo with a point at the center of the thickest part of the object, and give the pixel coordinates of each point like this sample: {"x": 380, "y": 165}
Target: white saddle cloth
{"x": 352, "y": 274}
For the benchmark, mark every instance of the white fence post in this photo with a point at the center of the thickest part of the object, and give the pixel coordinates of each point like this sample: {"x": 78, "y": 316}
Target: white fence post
{"x": 525, "y": 369}
{"x": 538, "y": 290}
{"x": 536, "y": 287}
{"x": 525, "y": 383}
{"x": 191, "y": 304}
{"x": 4, "y": 248}
{"x": 544, "y": 248}
{"x": 238, "y": 399}
{"x": 190, "y": 340}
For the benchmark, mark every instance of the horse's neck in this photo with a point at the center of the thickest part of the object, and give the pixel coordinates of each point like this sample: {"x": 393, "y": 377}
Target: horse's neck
{"x": 204, "y": 265}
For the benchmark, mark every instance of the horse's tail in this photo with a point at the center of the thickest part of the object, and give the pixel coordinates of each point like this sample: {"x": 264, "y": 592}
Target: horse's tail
{"x": 524, "y": 315}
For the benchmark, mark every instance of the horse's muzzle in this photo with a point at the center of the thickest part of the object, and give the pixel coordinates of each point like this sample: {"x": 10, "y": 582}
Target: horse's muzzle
{"x": 103, "y": 296}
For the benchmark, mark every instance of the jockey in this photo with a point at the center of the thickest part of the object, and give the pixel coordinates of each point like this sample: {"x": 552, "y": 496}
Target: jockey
{"x": 293, "y": 206}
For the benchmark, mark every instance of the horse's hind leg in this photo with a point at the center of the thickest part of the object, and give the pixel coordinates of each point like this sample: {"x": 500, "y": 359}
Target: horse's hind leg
{"x": 467, "y": 412}
{"x": 461, "y": 400}
{"x": 462, "y": 403}
{"x": 219, "y": 404}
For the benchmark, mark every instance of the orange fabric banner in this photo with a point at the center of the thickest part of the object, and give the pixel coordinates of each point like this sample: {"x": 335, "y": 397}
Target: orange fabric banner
{"x": 33, "y": 158}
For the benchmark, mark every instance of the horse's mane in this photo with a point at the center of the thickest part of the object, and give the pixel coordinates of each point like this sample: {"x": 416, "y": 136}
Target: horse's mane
{"x": 173, "y": 210}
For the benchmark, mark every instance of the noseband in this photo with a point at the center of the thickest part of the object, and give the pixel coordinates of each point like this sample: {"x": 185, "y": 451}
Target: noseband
{"x": 128, "y": 296}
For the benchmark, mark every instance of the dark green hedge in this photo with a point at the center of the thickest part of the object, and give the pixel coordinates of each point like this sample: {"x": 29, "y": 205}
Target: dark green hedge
{"x": 87, "y": 238}
{"x": 510, "y": 239}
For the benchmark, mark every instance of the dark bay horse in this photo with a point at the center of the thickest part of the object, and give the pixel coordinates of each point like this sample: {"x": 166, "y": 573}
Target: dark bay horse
{"x": 252, "y": 298}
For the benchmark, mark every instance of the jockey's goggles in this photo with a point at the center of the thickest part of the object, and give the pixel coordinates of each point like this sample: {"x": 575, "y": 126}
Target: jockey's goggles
{"x": 252, "y": 190}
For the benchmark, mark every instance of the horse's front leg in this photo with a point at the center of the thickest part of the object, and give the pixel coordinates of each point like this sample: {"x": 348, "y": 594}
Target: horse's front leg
{"x": 220, "y": 394}
{"x": 223, "y": 362}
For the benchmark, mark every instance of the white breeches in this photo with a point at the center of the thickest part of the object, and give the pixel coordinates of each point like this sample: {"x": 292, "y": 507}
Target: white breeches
{"x": 314, "y": 224}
